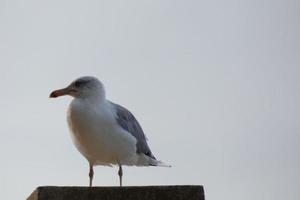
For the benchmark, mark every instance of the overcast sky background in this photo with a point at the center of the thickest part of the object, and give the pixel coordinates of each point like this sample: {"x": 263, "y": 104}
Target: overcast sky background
{"x": 215, "y": 85}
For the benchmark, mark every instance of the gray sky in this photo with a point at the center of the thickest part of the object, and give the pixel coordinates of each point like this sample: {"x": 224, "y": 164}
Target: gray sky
{"x": 215, "y": 85}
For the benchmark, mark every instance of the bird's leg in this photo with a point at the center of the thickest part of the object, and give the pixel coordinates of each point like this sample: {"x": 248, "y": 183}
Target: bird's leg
{"x": 120, "y": 173}
{"x": 91, "y": 174}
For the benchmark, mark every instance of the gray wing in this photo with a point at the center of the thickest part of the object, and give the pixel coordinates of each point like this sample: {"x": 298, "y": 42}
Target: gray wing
{"x": 128, "y": 122}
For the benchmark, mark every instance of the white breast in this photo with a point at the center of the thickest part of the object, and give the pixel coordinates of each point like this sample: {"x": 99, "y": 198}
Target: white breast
{"x": 97, "y": 136}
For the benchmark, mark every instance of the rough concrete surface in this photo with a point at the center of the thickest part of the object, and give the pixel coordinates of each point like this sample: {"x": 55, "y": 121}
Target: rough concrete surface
{"x": 184, "y": 192}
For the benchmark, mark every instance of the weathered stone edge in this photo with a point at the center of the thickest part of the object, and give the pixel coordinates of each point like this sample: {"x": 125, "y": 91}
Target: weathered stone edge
{"x": 35, "y": 194}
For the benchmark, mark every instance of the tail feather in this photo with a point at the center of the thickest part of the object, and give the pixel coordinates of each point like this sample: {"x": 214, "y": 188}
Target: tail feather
{"x": 144, "y": 160}
{"x": 158, "y": 163}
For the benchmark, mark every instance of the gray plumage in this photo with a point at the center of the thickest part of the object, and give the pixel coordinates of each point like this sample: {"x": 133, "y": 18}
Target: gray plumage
{"x": 129, "y": 123}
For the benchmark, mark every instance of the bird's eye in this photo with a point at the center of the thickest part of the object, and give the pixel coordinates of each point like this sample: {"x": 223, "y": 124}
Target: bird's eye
{"x": 78, "y": 83}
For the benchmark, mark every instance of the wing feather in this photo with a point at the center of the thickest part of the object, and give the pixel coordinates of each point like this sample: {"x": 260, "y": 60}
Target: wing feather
{"x": 129, "y": 123}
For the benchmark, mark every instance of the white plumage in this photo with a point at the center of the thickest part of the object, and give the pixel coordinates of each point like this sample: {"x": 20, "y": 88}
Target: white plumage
{"x": 97, "y": 135}
{"x": 105, "y": 133}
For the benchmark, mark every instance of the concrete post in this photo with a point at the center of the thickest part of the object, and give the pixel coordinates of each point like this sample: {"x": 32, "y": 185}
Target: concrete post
{"x": 184, "y": 192}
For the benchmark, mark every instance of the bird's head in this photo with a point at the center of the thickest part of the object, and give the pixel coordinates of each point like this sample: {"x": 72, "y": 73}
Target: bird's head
{"x": 82, "y": 87}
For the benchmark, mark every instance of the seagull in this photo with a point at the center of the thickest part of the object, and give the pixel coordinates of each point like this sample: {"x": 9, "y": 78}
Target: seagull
{"x": 104, "y": 132}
